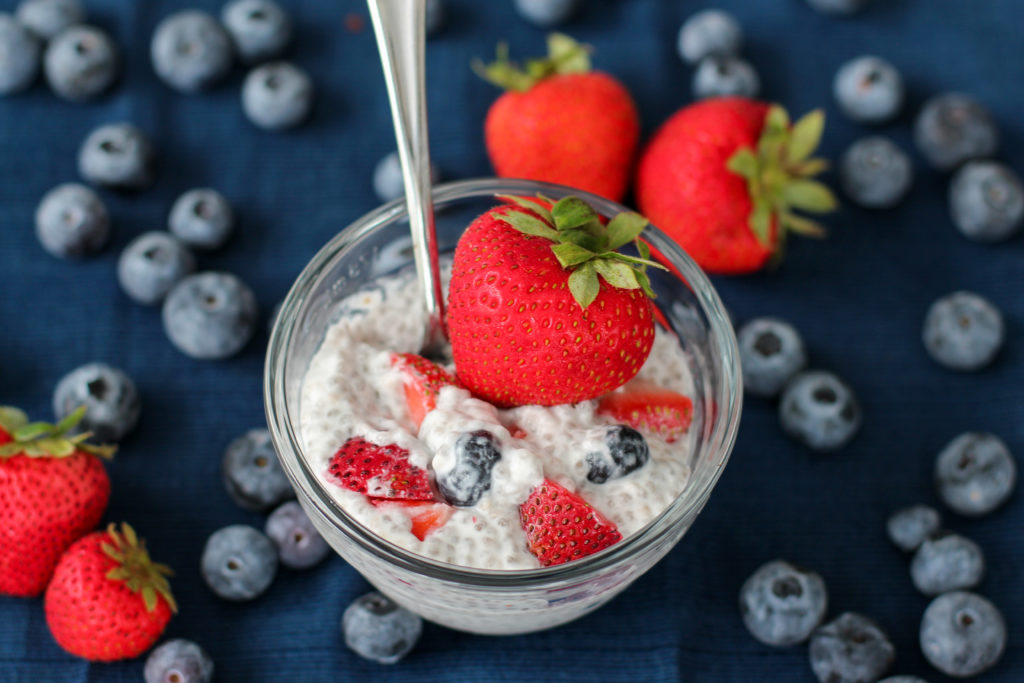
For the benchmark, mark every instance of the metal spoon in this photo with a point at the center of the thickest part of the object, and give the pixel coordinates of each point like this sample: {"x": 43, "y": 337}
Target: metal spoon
{"x": 400, "y": 28}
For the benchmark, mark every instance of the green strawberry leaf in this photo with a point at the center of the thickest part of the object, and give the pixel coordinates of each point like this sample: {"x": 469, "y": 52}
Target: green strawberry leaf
{"x": 527, "y": 224}
{"x": 584, "y": 285}
{"x": 568, "y": 56}
{"x": 569, "y": 254}
{"x": 644, "y": 250}
{"x": 625, "y": 228}
{"x": 572, "y": 212}
{"x": 617, "y": 274}
{"x": 744, "y": 163}
{"x": 645, "y": 284}
{"x": 70, "y": 422}
{"x": 811, "y": 167}
{"x": 761, "y": 222}
{"x": 56, "y": 446}
{"x": 801, "y": 225}
{"x": 809, "y": 195}
{"x": 12, "y": 418}
{"x": 528, "y": 203}
{"x": 149, "y": 598}
{"x": 33, "y": 430}
{"x": 805, "y": 136}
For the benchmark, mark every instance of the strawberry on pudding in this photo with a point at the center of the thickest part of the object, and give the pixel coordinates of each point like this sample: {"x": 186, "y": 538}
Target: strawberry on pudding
{"x": 560, "y": 426}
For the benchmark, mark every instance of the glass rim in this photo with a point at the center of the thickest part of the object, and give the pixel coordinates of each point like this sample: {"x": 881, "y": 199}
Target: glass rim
{"x": 684, "y": 507}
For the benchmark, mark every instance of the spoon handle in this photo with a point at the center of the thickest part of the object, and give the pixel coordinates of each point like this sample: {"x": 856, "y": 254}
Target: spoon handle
{"x": 400, "y": 28}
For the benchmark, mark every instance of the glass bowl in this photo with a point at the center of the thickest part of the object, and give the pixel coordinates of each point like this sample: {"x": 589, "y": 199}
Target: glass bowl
{"x": 480, "y": 600}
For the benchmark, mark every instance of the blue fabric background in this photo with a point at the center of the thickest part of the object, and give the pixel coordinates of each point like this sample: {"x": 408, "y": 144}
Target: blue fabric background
{"x": 858, "y": 297}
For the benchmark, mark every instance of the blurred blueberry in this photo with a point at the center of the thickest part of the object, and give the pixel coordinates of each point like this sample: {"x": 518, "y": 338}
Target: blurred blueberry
{"x": 387, "y": 178}
{"x": 986, "y": 200}
{"x": 19, "y": 56}
{"x": 210, "y": 315}
{"x": 467, "y": 475}
{"x": 709, "y": 33}
{"x": 299, "y": 544}
{"x": 260, "y": 29}
{"x": 277, "y": 96}
{"x": 962, "y": 634}
{"x": 909, "y": 527}
{"x": 436, "y": 16}
{"x": 875, "y": 173}
{"x": 725, "y": 76}
{"x": 111, "y": 401}
{"x": 838, "y": 7}
{"x": 72, "y": 221}
{"x": 624, "y": 450}
{"x": 239, "y": 563}
{"x": 947, "y": 562}
{"x": 191, "y": 51}
{"x": 178, "y": 661}
{"x": 850, "y": 648}
{"x": 118, "y": 156}
{"x": 771, "y": 353}
{"x": 782, "y": 604}
{"x": 46, "y": 18}
{"x": 252, "y": 472}
{"x": 151, "y": 265}
{"x": 869, "y": 89}
{"x": 953, "y": 128}
{"x": 81, "y": 62}
{"x": 377, "y": 629}
{"x": 963, "y": 331}
{"x": 975, "y": 474}
{"x": 547, "y": 13}
{"x": 820, "y": 410}
{"x": 202, "y": 219}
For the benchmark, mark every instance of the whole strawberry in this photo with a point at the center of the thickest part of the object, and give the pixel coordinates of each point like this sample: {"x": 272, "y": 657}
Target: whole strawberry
{"x": 107, "y": 600}
{"x": 53, "y": 489}
{"x": 542, "y": 309}
{"x": 560, "y": 122}
{"x": 724, "y": 176}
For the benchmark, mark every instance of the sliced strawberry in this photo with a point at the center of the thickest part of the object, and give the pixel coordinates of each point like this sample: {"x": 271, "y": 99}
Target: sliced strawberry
{"x": 426, "y": 517}
{"x": 379, "y": 471}
{"x": 650, "y": 408}
{"x": 560, "y": 526}
{"x": 423, "y": 380}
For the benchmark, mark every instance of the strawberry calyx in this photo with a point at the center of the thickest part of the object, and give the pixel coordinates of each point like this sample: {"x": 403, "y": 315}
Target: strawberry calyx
{"x": 584, "y": 245}
{"x": 779, "y": 177}
{"x": 565, "y": 56}
{"x": 139, "y": 573}
{"x": 41, "y": 439}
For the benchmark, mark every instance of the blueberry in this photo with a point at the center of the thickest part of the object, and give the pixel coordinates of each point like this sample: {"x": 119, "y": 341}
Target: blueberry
{"x": 111, "y": 401}
{"x": 909, "y": 527}
{"x": 72, "y": 222}
{"x": 725, "y": 76}
{"x": 151, "y": 265}
{"x": 710, "y": 33}
{"x": 260, "y": 29}
{"x": 46, "y": 18}
{"x": 625, "y": 451}
{"x": 771, "y": 353}
{"x": 947, "y": 562}
{"x": 252, "y": 472}
{"x": 19, "y": 56}
{"x": 782, "y": 604}
{"x": 875, "y": 173}
{"x": 850, "y": 649}
{"x": 202, "y": 219}
{"x": 178, "y": 661}
{"x": 436, "y": 15}
{"x": 387, "y": 178}
{"x": 466, "y": 475}
{"x": 975, "y": 474}
{"x": 299, "y": 545}
{"x": 375, "y": 628}
{"x": 239, "y": 562}
{"x": 210, "y": 315}
{"x": 191, "y": 51}
{"x": 963, "y": 331}
{"x": 986, "y": 200}
{"x": 118, "y": 156}
{"x": 953, "y": 128}
{"x": 81, "y": 62}
{"x": 838, "y": 7}
{"x": 277, "y": 96}
{"x": 869, "y": 89}
{"x": 547, "y": 13}
{"x": 820, "y": 410}
{"x": 962, "y": 634}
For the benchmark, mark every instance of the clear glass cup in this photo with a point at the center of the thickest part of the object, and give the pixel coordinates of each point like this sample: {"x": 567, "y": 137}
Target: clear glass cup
{"x": 479, "y": 600}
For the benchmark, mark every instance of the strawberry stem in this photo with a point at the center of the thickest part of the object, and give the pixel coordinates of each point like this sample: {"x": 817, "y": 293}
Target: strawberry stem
{"x": 139, "y": 573}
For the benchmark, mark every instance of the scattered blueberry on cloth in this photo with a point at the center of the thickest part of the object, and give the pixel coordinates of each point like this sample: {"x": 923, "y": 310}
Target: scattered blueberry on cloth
{"x": 858, "y": 298}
